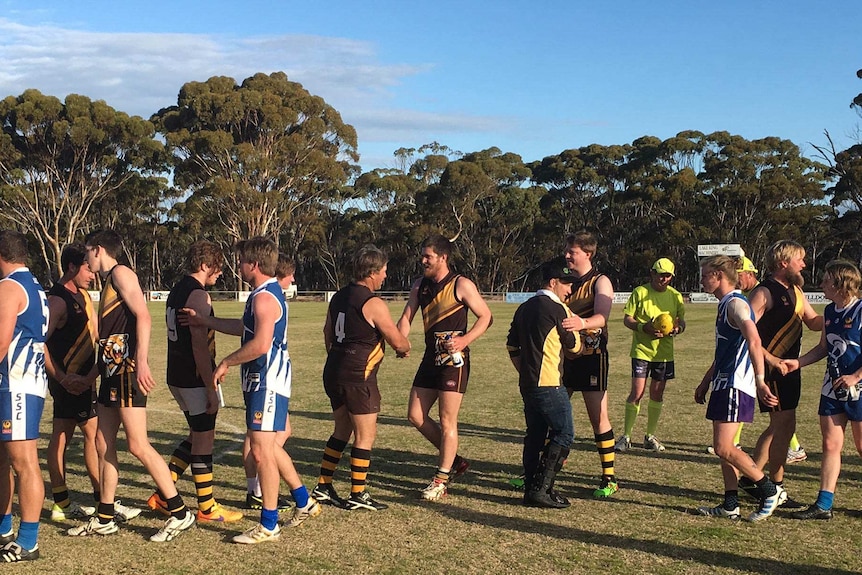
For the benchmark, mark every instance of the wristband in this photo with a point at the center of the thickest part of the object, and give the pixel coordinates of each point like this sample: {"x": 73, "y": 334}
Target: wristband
{"x": 760, "y": 378}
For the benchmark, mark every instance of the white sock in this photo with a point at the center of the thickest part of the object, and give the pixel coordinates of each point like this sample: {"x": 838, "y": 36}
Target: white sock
{"x": 253, "y": 486}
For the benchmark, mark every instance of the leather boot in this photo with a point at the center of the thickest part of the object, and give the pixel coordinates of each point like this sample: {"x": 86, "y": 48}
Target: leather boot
{"x": 539, "y": 494}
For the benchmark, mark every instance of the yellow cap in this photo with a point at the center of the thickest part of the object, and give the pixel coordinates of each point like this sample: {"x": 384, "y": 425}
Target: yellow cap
{"x": 747, "y": 266}
{"x": 663, "y": 266}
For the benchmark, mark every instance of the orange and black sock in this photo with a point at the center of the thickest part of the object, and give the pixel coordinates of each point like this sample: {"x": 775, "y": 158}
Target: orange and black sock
{"x": 360, "y": 459}
{"x": 331, "y": 456}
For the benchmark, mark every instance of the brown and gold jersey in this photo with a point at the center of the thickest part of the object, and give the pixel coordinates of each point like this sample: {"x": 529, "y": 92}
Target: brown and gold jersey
{"x": 118, "y": 340}
{"x": 780, "y": 327}
{"x": 582, "y": 303}
{"x": 444, "y": 315}
{"x": 357, "y": 348}
{"x": 73, "y": 346}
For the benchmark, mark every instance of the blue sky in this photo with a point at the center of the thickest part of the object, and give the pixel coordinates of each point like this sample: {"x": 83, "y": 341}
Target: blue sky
{"x": 534, "y": 78}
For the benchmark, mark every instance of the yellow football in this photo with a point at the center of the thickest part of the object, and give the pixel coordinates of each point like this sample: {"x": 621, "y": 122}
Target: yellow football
{"x": 663, "y": 323}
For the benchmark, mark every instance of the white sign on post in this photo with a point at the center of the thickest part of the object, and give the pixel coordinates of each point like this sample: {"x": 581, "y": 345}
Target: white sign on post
{"x": 706, "y": 250}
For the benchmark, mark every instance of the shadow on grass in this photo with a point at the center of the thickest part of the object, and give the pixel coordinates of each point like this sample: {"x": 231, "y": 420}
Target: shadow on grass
{"x": 709, "y": 557}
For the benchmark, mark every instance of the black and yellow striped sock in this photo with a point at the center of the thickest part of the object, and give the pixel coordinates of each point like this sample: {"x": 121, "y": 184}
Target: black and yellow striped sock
{"x": 331, "y": 456}
{"x": 176, "y": 506}
{"x": 360, "y": 459}
{"x": 202, "y": 472}
{"x": 61, "y": 496}
{"x": 605, "y": 447}
{"x": 105, "y": 512}
{"x": 180, "y": 460}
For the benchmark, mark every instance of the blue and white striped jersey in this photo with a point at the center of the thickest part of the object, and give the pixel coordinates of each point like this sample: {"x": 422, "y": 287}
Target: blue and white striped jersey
{"x": 271, "y": 370}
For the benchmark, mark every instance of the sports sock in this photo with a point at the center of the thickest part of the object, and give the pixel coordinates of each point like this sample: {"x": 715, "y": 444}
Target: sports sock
{"x": 360, "y": 460}
{"x": 28, "y": 533}
{"x": 269, "y": 518}
{"x": 794, "y": 443}
{"x": 202, "y": 472}
{"x": 105, "y": 512}
{"x": 825, "y": 500}
{"x": 176, "y": 506}
{"x": 731, "y": 500}
{"x": 632, "y": 411}
{"x": 300, "y": 496}
{"x": 605, "y": 447}
{"x": 180, "y": 460}
{"x": 767, "y": 487}
{"x": 738, "y": 437}
{"x": 253, "y": 486}
{"x": 6, "y": 524}
{"x": 331, "y": 456}
{"x": 442, "y": 475}
{"x": 61, "y": 496}
{"x": 653, "y": 415}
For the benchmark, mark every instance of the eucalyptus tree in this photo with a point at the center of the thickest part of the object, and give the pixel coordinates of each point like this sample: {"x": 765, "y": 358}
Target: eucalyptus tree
{"x": 759, "y": 190}
{"x": 258, "y": 158}
{"x": 59, "y": 159}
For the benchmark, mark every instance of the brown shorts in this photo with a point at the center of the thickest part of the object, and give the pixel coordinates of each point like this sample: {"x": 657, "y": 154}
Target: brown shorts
{"x": 359, "y": 399}
{"x": 443, "y": 377}
{"x": 121, "y": 390}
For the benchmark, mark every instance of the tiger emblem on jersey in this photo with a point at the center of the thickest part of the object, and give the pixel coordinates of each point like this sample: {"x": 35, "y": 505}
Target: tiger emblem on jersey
{"x": 115, "y": 354}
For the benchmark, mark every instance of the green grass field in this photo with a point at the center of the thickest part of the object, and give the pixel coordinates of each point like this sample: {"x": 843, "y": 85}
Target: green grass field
{"x": 481, "y": 527}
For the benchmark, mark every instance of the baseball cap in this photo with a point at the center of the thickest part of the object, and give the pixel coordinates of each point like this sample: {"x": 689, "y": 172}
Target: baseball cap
{"x": 561, "y": 273}
{"x": 747, "y": 266}
{"x": 663, "y": 266}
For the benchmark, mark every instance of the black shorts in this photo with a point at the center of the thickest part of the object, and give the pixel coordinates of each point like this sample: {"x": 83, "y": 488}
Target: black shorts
{"x": 657, "y": 370}
{"x": 80, "y": 407}
{"x": 121, "y": 391}
{"x": 586, "y": 373}
{"x": 787, "y": 389}
{"x": 443, "y": 377}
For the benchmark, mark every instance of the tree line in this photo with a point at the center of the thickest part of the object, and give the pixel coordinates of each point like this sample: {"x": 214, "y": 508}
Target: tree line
{"x": 266, "y": 157}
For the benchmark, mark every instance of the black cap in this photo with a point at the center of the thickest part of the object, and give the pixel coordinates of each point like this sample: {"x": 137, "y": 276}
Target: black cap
{"x": 561, "y": 273}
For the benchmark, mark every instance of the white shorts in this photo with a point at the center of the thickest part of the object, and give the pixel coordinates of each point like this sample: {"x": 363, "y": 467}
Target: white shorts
{"x": 192, "y": 400}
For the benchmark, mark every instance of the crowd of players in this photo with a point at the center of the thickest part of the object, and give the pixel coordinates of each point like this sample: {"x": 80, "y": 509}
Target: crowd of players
{"x": 557, "y": 343}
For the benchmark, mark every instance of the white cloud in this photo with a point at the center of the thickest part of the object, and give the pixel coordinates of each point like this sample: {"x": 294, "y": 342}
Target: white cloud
{"x": 139, "y": 73}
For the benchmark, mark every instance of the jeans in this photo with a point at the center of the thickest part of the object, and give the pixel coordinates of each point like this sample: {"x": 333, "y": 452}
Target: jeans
{"x": 548, "y": 414}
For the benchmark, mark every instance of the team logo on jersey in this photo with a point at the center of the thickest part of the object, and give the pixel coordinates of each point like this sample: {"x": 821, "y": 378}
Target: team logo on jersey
{"x": 113, "y": 395}
{"x": 258, "y": 417}
{"x": 7, "y": 426}
{"x": 784, "y": 300}
{"x": 115, "y": 352}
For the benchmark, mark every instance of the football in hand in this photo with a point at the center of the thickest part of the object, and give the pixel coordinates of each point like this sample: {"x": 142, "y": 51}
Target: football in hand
{"x": 663, "y": 323}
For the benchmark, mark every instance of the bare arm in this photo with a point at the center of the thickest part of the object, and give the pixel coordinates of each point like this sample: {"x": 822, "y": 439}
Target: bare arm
{"x": 12, "y": 300}
{"x": 761, "y": 301}
{"x": 811, "y": 318}
{"x": 410, "y": 309}
{"x": 702, "y": 388}
{"x": 475, "y": 303}
{"x": 230, "y": 326}
{"x": 56, "y": 319}
{"x": 376, "y": 313}
{"x": 200, "y": 302}
{"x": 738, "y": 315}
{"x": 127, "y": 286}
{"x": 602, "y": 304}
{"x": 266, "y": 312}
